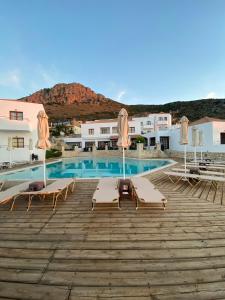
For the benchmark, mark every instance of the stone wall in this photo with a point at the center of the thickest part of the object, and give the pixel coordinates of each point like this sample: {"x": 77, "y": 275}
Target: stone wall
{"x": 190, "y": 155}
{"x": 139, "y": 153}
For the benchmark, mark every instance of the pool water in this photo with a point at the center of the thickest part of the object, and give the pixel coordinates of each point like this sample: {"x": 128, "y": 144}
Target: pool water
{"x": 88, "y": 168}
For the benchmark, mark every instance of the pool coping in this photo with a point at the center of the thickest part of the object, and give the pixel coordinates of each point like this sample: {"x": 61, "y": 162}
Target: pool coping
{"x": 29, "y": 167}
{"x": 172, "y": 162}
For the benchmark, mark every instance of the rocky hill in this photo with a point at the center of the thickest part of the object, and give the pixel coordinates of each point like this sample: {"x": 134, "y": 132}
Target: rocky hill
{"x": 66, "y": 101}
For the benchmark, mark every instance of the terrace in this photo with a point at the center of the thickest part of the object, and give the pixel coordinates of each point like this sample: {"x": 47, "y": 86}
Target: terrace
{"x": 74, "y": 253}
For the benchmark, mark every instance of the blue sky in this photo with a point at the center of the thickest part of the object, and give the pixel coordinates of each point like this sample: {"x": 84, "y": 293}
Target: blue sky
{"x": 133, "y": 51}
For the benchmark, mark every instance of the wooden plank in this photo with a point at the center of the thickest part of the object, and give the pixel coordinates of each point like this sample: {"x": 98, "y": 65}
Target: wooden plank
{"x": 32, "y": 291}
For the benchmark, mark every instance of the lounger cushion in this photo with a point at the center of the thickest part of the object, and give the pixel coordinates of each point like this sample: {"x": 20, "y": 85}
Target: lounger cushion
{"x": 13, "y": 191}
{"x": 106, "y": 191}
{"x": 146, "y": 191}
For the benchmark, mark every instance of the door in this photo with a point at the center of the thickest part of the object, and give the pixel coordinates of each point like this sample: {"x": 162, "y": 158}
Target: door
{"x": 164, "y": 141}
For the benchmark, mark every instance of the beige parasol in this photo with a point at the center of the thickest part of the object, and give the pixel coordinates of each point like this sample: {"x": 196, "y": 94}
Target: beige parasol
{"x": 195, "y": 141}
{"x": 43, "y": 136}
{"x": 123, "y": 130}
{"x": 201, "y": 141}
{"x": 184, "y": 136}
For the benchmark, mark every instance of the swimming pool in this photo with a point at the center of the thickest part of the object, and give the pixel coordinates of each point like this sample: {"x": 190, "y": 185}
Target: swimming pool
{"x": 88, "y": 168}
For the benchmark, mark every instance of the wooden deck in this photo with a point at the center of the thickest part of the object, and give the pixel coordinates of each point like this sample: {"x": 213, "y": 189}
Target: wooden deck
{"x": 76, "y": 254}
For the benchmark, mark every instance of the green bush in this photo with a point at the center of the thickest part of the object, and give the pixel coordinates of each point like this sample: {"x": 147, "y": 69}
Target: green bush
{"x": 140, "y": 139}
{"x": 53, "y": 153}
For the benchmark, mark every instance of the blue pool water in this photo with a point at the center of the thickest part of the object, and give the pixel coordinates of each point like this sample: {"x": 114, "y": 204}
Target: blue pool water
{"x": 88, "y": 168}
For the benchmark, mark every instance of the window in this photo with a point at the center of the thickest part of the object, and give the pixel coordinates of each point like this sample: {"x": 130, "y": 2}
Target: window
{"x": 91, "y": 131}
{"x": 114, "y": 129}
{"x": 132, "y": 129}
{"x": 164, "y": 141}
{"x": 16, "y": 115}
{"x": 152, "y": 141}
{"x": 165, "y": 118}
{"x": 18, "y": 142}
{"x": 148, "y": 123}
{"x": 160, "y": 118}
{"x": 105, "y": 130}
{"x": 222, "y": 138}
{"x": 142, "y": 124}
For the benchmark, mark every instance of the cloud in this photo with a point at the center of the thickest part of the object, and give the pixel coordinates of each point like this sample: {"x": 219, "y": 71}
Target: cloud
{"x": 49, "y": 77}
{"x": 120, "y": 95}
{"x": 11, "y": 78}
{"x": 211, "y": 95}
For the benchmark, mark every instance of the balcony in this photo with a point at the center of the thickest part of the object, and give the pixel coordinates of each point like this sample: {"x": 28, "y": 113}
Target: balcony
{"x": 14, "y": 125}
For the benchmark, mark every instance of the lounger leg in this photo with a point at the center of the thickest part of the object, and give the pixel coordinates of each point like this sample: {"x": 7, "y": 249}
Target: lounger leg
{"x": 13, "y": 203}
{"x": 53, "y": 201}
{"x": 171, "y": 179}
{"x": 66, "y": 193}
{"x": 56, "y": 200}
{"x": 214, "y": 184}
{"x": 119, "y": 205}
{"x": 29, "y": 202}
{"x": 73, "y": 186}
{"x": 92, "y": 205}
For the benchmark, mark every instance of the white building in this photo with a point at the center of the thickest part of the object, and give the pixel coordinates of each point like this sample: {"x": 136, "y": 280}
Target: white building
{"x": 213, "y": 136}
{"x": 18, "y": 121}
{"x": 102, "y": 132}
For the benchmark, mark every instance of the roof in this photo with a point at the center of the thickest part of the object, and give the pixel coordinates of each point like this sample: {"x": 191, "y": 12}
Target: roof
{"x": 101, "y": 121}
{"x": 20, "y": 101}
{"x": 206, "y": 120}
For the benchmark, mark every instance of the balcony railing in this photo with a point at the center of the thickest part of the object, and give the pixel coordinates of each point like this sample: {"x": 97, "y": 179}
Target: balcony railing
{"x": 7, "y": 124}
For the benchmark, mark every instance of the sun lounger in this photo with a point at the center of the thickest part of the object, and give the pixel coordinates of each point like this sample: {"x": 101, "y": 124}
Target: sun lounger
{"x": 146, "y": 193}
{"x": 208, "y": 167}
{"x": 55, "y": 189}
{"x": 198, "y": 178}
{"x": 1, "y": 185}
{"x": 200, "y": 171}
{"x": 9, "y": 194}
{"x": 106, "y": 192}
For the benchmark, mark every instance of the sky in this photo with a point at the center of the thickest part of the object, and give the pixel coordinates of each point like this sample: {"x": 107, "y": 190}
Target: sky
{"x": 133, "y": 51}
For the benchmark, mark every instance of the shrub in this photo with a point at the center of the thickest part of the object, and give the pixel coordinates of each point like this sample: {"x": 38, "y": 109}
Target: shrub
{"x": 140, "y": 139}
{"x": 53, "y": 153}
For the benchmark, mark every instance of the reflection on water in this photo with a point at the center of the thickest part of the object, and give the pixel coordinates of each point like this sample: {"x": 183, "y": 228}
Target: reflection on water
{"x": 89, "y": 168}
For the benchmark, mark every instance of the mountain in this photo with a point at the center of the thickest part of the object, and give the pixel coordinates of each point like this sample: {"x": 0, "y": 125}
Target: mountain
{"x": 66, "y": 101}
{"x": 194, "y": 109}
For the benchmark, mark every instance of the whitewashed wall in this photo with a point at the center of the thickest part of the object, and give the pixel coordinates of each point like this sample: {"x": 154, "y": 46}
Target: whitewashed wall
{"x": 26, "y": 129}
{"x": 211, "y": 133}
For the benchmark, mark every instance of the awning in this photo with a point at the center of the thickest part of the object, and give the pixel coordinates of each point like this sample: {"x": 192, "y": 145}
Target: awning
{"x": 114, "y": 138}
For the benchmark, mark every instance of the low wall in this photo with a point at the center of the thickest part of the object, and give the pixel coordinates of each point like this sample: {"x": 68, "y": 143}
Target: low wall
{"x": 139, "y": 153}
{"x": 190, "y": 155}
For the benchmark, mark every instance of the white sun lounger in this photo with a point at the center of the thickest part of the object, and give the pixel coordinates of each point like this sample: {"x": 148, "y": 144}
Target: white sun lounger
{"x": 199, "y": 178}
{"x": 56, "y": 189}
{"x": 200, "y": 171}
{"x": 1, "y": 185}
{"x": 9, "y": 194}
{"x": 208, "y": 167}
{"x": 106, "y": 192}
{"x": 146, "y": 193}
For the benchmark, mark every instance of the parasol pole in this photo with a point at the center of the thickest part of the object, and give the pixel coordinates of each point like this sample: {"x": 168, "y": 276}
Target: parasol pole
{"x": 123, "y": 163}
{"x": 185, "y": 159}
{"x": 44, "y": 166}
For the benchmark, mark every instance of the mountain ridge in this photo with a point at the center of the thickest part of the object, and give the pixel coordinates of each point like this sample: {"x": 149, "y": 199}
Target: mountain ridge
{"x": 68, "y": 100}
